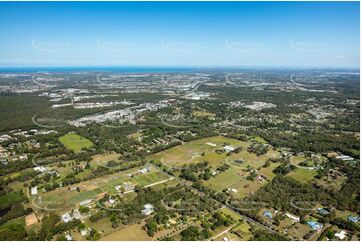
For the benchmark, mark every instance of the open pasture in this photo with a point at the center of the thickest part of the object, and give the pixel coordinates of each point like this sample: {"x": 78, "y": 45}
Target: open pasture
{"x": 129, "y": 233}
{"x": 99, "y": 186}
{"x": 205, "y": 150}
{"x": 75, "y": 142}
{"x": 302, "y": 175}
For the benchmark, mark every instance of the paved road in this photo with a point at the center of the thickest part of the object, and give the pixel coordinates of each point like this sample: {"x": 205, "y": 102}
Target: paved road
{"x": 172, "y": 125}
{"x": 223, "y": 232}
{"x": 150, "y": 185}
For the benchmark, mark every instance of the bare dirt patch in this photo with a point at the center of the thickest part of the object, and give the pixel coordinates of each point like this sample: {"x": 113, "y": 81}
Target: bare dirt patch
{"x": 31, "y": 219}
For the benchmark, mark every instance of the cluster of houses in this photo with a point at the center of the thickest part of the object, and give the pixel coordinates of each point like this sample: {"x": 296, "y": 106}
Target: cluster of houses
{"x": 46, "y": 170}
{"x": 340, "y": 156}
{"x": 31, "y": 132}
{"x": 6, "y": 156}
{"x": 127, "y": 186}
{"x": 10, "y": 154}
{"x": 313, "y": 224}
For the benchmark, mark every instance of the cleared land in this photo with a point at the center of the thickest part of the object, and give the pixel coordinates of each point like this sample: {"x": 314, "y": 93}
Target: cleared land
{"x": 235, "y": 177}
{"x": 97, "y": 187}
{"x": 192, "y": 152}
{"x": 303, "y": 175}
{"x": 31, "y": 219}
{"x": 132, "y": 232}
{"x": 75, "y": 142}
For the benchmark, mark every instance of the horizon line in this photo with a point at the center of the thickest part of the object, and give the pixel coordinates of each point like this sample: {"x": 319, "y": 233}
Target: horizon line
{"x": 177, "y": 66}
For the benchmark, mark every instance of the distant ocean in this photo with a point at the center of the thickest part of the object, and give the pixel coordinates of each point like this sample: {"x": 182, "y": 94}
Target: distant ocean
{"x": 97, "y": 69}
{"x": 139, "y": 69}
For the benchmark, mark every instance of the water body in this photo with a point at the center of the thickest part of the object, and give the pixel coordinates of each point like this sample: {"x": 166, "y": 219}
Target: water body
{"x": 98, "y": 69}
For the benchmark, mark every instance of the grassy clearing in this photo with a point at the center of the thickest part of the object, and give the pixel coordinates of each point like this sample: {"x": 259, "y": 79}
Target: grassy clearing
{"x": 132, "y": 232}
{"x": 230, "y": 212}
{"x": 146, "y": 179}
{"x": 204, "y": 149}
{"x": 260, "y": 140}
{"x": 17, "y": 185}
{"x": 299, "y": 230}
{"x": 246, "y": 188}
{"x": 13, "y": 222}
{"x": 75, "y": 142}
{"x": 7, "y": 200}
{"x": 223, "y": 180}
{"x": 105, "y": 184}
{"x": 191, "y": 151}
{"x": 268, "y": 171}
{"x": 203, "y": 114}
{"x": 244, "y": 230}
{"x": 303, "y": 175}
{"x": 297, "y": 159}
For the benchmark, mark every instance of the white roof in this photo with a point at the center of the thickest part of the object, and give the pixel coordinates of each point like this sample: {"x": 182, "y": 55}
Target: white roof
{"x": 148, "y": 206}
{"x": 229, "y": 148}
{"x": 40, "y": 168}
{"x": 83, "y": 232}
{"x": 68, "y": 237}
{"x": 148, "y": 209}
{"x": 34, "y": 190}
{"x": 66, "y": 217}
{"x": 294, "y": 217}
{"x": 87, "y": 201}
{"x": 341, "y": 235}
{"x": 211, "y": 144}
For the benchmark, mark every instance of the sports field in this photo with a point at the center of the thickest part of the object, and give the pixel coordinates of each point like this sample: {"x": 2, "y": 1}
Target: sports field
{"x": 75, "y": 142}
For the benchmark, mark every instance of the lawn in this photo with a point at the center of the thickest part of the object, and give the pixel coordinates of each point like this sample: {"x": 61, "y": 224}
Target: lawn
{"x": 75, "y": 142}
{"x": 303, "y": 175}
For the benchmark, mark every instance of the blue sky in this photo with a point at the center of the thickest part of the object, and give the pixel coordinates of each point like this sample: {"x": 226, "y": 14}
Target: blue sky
{"x": 317, "y": 34}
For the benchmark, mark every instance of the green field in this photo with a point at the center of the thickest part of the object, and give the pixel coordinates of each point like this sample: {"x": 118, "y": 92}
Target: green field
{"x": 132, "y": 232}
{"x": 303, "y": 175}
{"x": 20, "y": 221}
{"x": 75, "y": 142}
{"x": 9, "y": 199}
{"x": 223, "y": 180}
{"x": 191, "y": 153}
